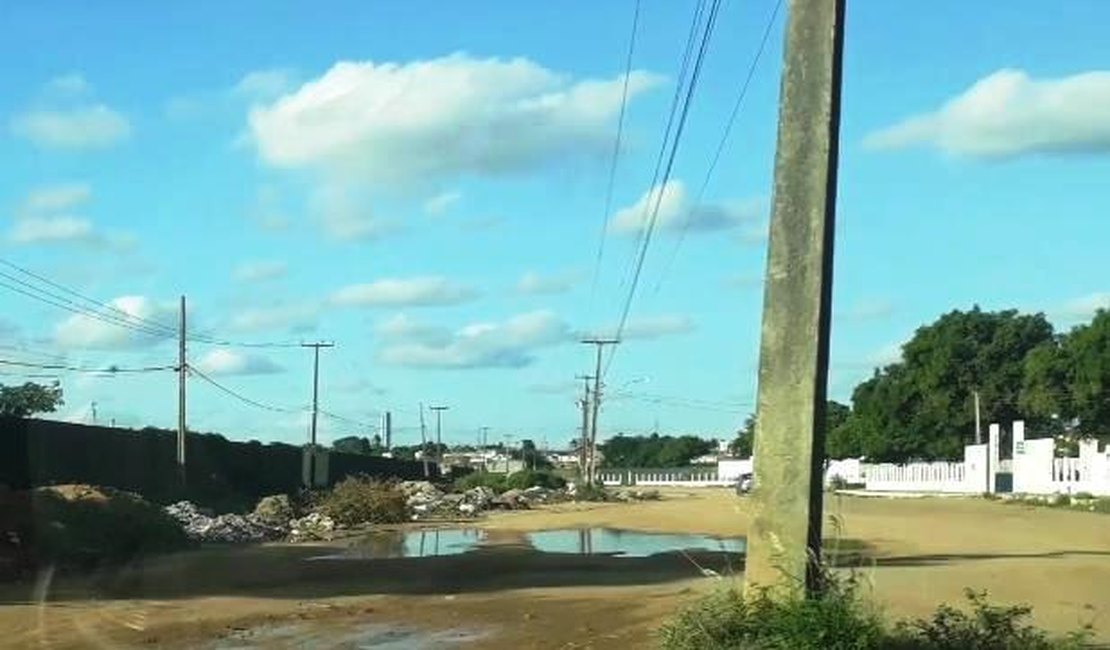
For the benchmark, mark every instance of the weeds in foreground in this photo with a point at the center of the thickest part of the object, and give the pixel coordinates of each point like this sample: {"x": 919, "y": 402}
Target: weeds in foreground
{"x": 840, "y": 619}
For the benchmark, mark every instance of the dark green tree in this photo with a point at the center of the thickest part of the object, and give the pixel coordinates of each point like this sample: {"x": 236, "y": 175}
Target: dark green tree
{"x": 353, "y": 445}
{"x": 923, "y": 406}
{"x": 654, "y": 450}
{"x": 1086, "y": 395}
{"x": 29, "y": 399}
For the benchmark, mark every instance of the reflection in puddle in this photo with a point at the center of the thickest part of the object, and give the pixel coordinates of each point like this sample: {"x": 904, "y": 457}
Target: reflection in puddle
{"x": 366, "y": 637}
{"x": 413, "y": 543}
{"x": 627, "y": 543}
{"x": 579, "y": 541}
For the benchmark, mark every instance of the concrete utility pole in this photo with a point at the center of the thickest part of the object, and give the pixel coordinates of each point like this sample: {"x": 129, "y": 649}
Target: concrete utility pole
{"x": 785, "y": 540}
{"x": 591, "y": 454}
{"x": 315, "y": 405}
{"x": 584, "y": 440}
{"x": 439, "y": 433}
{"x": 182, "y": 373}
{"x": 978, "y": 425}
{"x": 423, "y": 441}
{"x": 387, "y": 428}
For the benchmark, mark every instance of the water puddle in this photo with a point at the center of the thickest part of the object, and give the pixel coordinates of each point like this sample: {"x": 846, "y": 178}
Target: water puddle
{"x": 627, "y": 543}
{"x": 578, "y": 541}
{"x": 365, "y": 637}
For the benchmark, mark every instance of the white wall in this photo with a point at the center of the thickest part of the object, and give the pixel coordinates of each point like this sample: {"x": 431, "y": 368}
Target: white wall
{"x": 730, "y": 469}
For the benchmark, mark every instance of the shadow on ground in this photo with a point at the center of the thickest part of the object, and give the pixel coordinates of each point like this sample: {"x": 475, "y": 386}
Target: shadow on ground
{"x": 283, "y": 571}
{"x": 936, "y": 559}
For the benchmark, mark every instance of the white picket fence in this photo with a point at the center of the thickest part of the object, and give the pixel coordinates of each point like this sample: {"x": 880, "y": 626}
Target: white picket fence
{"x": 919, "y": 477}
{"x": 663, "y": 478}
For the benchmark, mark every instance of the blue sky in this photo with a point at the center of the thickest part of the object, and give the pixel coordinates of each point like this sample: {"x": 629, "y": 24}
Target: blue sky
{"x": 424, "y": 184}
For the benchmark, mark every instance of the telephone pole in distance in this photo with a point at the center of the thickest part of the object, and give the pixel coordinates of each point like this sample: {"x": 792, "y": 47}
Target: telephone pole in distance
{"x": 600, "y": 344}
{"x": 315, "y": 404}
{"x": 439, "y": 433}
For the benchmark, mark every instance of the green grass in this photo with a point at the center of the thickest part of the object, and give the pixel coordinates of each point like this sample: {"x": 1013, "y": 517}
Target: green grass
{"x": 840, "y": 619}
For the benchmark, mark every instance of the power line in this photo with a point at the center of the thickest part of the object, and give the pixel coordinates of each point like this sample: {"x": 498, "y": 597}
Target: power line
{"x": 706, "y": 35}
{"x": 110, "y": 313}
{"x": 616, "y": 150}
{"x": 724, "y": 137}
{"x": 675, "y": 99}
{"x": 108, "y": 370}
{"x": 81, "y": 296}
{"x": 241, "y": 397}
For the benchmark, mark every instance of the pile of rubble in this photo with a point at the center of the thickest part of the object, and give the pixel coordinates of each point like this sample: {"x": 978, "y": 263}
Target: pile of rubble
{"x": 234, "y": 529}
{"x": 312, "y": 527}
{"x": 426, "y": 501}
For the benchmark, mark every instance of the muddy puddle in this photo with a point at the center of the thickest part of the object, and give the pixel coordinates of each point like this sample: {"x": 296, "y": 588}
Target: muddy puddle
{"x": 376, "y": 636}
{"x": 577, "y": 541}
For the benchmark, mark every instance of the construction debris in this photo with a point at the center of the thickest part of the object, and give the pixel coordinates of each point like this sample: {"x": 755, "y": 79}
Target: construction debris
{"x": 227, "y": 529}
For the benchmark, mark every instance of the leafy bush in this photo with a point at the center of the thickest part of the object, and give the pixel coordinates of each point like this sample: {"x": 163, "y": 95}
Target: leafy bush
{"x": 985, "y": 627}
{"x": 84, "y": 526}
{"x": 360, "y": 499}
{"x": 839, "y": 619}
{"x": 592, "y": 493}
{"x": 726, "y": 620}
{"x": 495, "y": 482}
{"x": 529, "y": 478}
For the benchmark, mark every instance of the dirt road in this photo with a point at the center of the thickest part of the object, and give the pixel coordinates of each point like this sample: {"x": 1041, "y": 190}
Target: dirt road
{"x": 917, "y": 553}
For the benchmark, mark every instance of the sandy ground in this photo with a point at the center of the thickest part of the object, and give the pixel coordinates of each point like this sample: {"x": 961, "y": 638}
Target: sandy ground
{"x": 916, "y": 553}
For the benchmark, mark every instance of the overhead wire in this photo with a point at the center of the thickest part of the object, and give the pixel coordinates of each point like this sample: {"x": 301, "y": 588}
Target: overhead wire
{"x": 113, "y": 369}
{"x": 239, "y": 396}
{"x": 111, "y": 314}
{"x": 691, "y": 87}
{"x": 729, "y": 123}
{"x": 616, "y": 151}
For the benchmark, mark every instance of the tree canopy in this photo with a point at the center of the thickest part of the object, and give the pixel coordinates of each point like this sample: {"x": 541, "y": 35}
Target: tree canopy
{"x": 923, "y": 407}
{"x": 29, "y": 399}
{"x": 653, "y": 451}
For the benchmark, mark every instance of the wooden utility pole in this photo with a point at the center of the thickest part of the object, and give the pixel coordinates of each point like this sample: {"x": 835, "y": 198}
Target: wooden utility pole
{"x": 591, "y": 453}
{"x": 423, "y": 441}
{"x": 182, "y": 373}
{"x": 439, "y": 434}
{"x": 584, "y": 439}
{"x": 315, "y": 406}
{"x": 784, "y": 544}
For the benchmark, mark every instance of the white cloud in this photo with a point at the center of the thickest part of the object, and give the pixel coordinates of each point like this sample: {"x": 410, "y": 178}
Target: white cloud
{"x": 1009, "y": 114}
{"x": 69, "y": 84}
{"x": 259, "y": 270}
{"x": 415, "y": 291}
{"x": 297, "y": 317}
{"x": 229, "y": 362}
{"x": 40, "y": 230}
{"x": 265, "y": 84}
{"x": 441, "y": 203}
{"x": 82, "y": 331}
{"x": 345, "y": 214}
{"x": 649, "y": 327}
{"x": 885, "y": 356}
{"x": 1084, "y": 307}
{"x": 511, "y": 344}
{"x": 532, "y": 283}
{"x": 677, "y": 211}
{"x": 388, "y": 123}
{"x": 94, "y": 126}
{"x": 402, "y": 327}
{"x": 43, "y": 218}
{"x": 50, "y": 198}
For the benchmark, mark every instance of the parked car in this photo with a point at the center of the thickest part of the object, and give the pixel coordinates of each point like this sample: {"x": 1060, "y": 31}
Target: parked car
{"x": 744, "y": 483}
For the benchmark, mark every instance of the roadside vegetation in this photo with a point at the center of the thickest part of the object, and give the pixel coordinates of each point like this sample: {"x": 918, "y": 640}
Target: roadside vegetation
{"x": 360, "y": 500}
{"x": 840, "y": 618}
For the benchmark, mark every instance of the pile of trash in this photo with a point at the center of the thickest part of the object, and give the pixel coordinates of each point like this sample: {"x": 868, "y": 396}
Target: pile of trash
{"x": 426, "y": 501}
{"x": 229, "y": 529}
{"x": 312, "y": 527}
